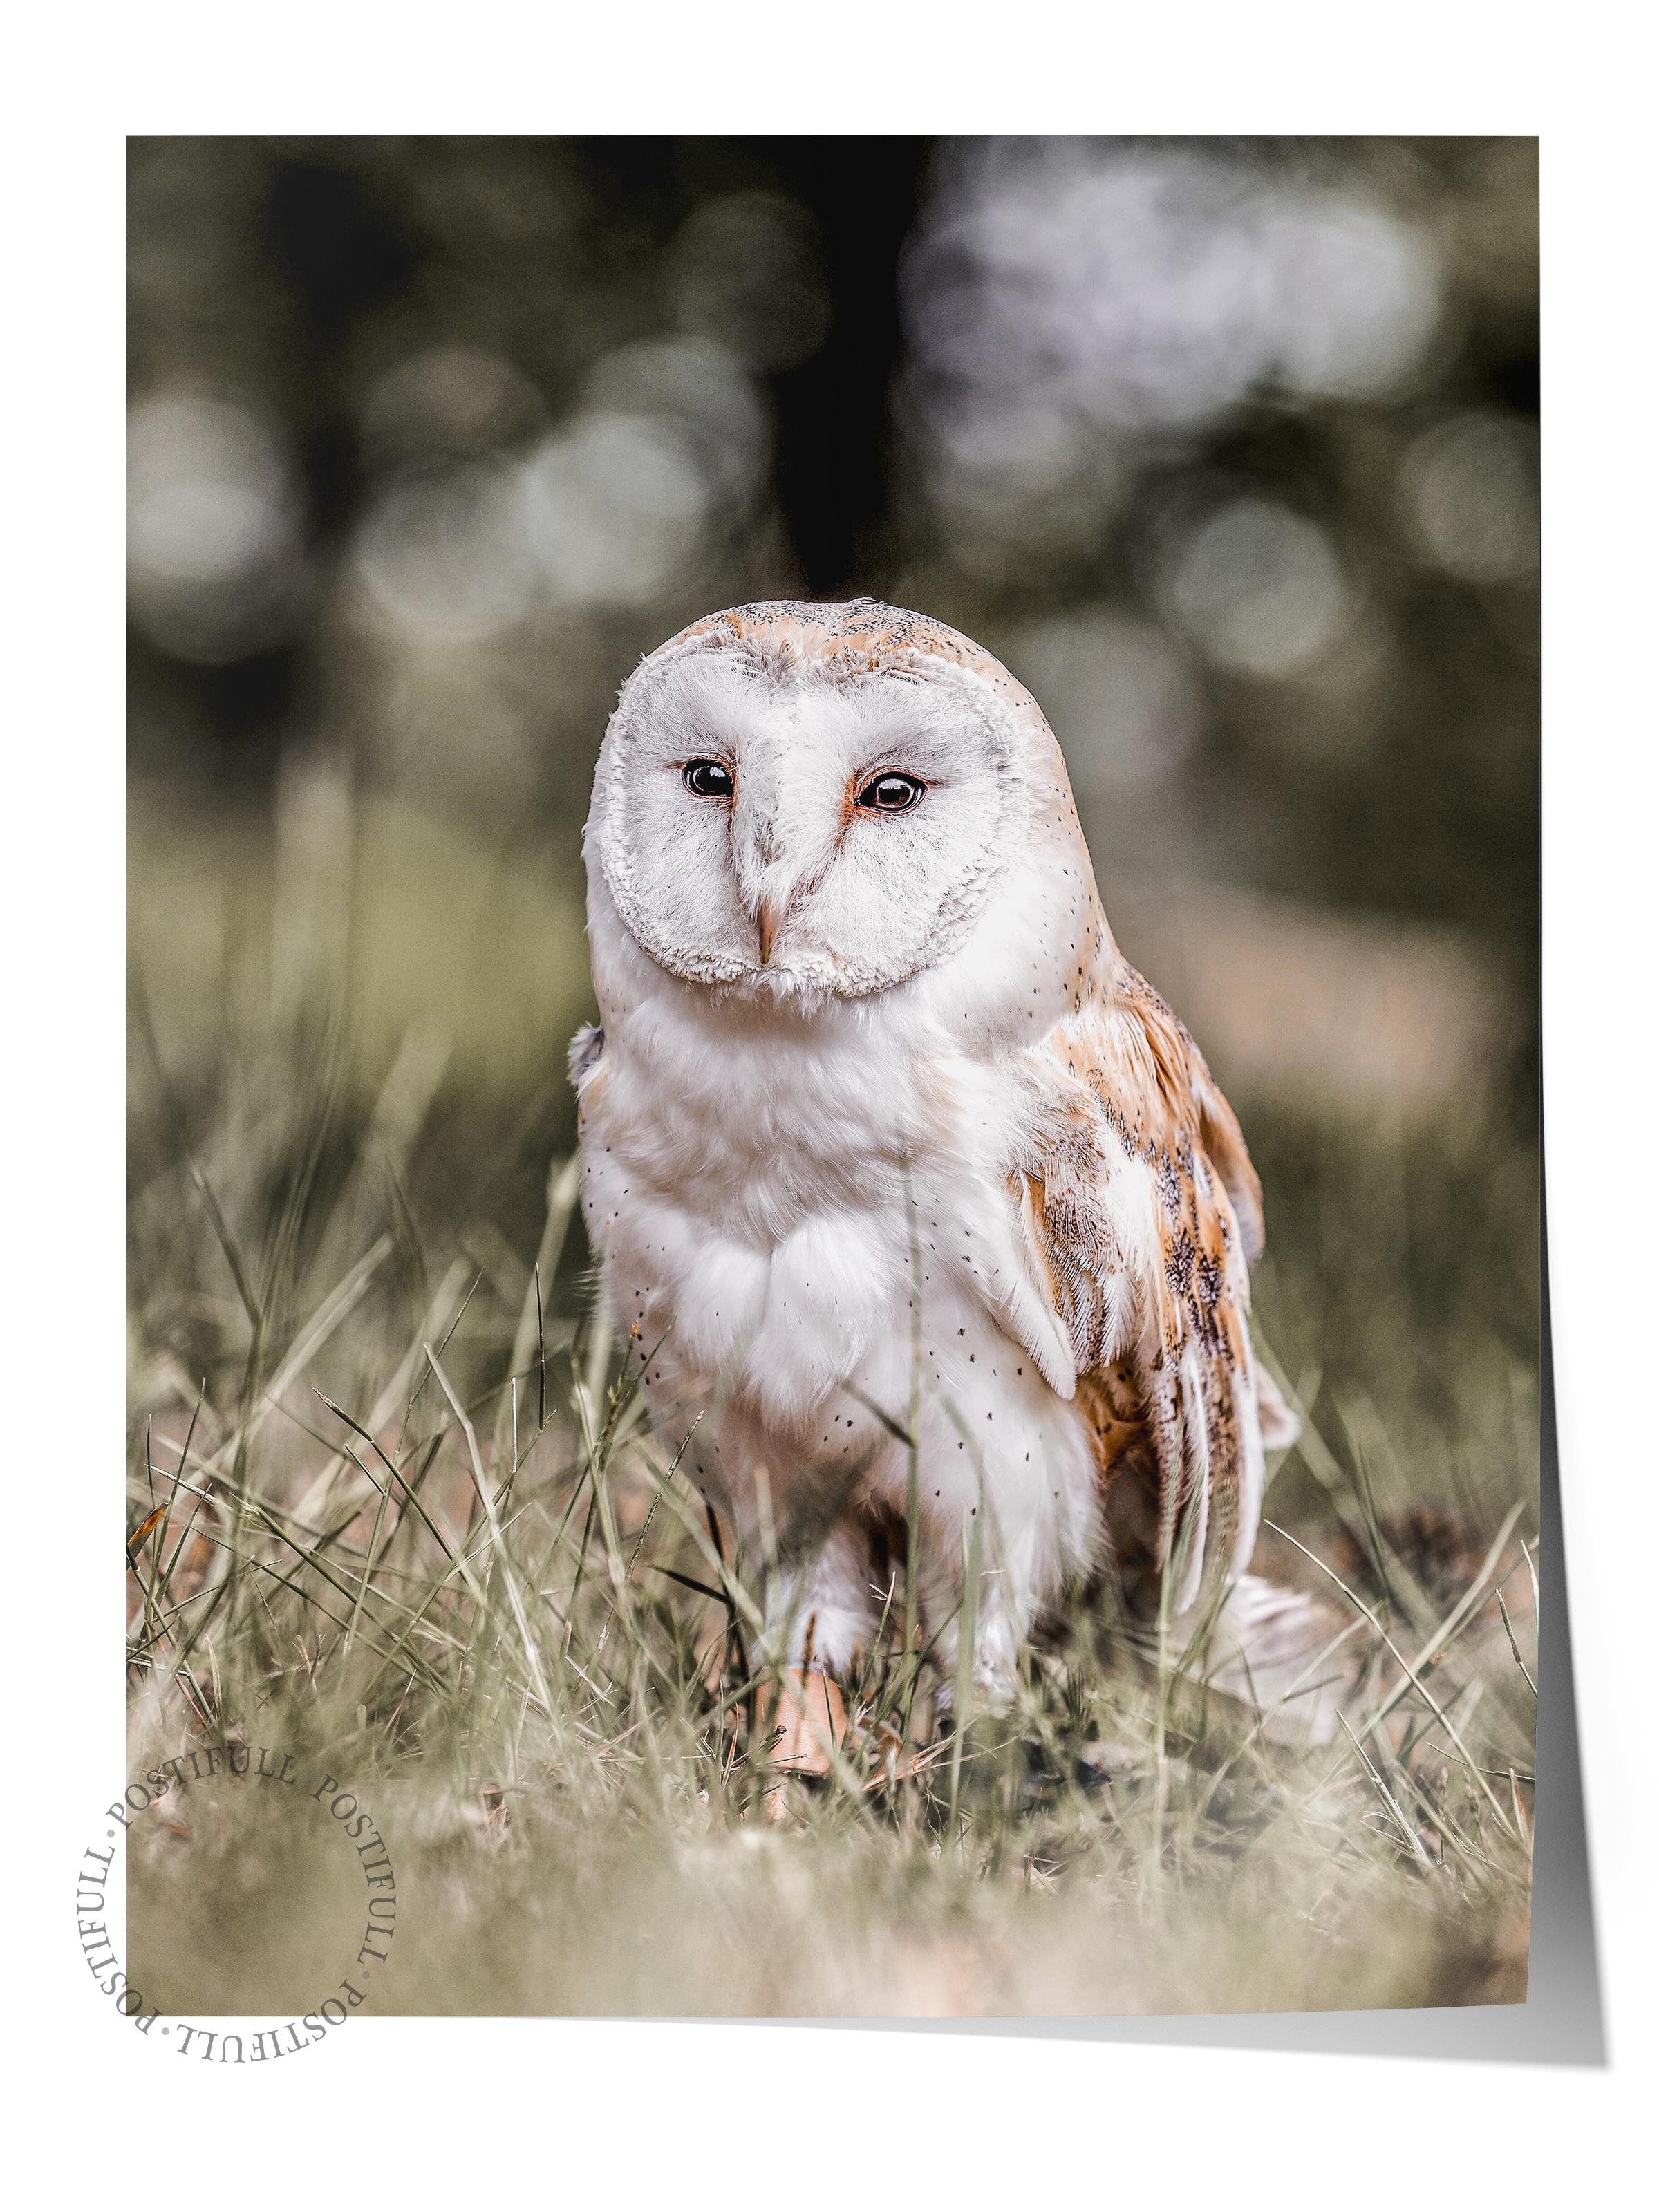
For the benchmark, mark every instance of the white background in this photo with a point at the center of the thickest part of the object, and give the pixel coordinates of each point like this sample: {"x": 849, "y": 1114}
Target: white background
{"x": 576, "y": 2110}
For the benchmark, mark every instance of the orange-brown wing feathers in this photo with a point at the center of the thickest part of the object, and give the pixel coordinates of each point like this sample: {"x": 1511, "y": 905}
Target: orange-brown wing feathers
{"x": 1140, "y": 1207}
{"x": 1224, "y": 1146}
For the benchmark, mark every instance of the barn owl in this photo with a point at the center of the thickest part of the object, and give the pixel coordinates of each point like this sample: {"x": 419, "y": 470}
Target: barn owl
{"x": 879, "y": 1128}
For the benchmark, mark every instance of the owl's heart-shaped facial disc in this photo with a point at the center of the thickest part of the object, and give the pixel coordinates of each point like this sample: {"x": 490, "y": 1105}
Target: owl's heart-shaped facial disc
{"x": 778, "y": 824}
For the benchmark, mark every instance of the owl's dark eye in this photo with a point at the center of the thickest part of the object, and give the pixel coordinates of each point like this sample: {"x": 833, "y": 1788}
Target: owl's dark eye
{"x": 892, "y": 793}
{"x": 708, "y": 779}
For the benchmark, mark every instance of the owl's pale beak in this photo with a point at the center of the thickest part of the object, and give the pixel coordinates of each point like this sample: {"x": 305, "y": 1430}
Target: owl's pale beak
{"x": 766, "y": 919}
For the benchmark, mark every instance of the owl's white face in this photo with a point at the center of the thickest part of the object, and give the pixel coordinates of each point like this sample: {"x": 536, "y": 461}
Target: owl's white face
{"x": 786, "y": 832}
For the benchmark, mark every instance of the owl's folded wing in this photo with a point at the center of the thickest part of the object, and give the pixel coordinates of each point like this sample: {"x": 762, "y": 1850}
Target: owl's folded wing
{"x": 1137, "y": 1210}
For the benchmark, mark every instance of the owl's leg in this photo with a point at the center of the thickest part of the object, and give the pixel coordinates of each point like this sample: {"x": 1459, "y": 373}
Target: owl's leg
{"x": 996, "y": 1648}
{"x": 996, "y": 1660}
{"x": 818, "y": 1609}
{"x": 1001, "y": 1606}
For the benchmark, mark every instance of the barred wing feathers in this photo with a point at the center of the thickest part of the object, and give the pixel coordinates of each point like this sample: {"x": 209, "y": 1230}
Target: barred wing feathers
{"x": 1139, "y": 1211}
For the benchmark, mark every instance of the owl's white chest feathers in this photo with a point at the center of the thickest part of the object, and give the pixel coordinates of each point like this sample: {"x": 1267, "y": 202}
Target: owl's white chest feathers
{"x": 805, "y": 1218}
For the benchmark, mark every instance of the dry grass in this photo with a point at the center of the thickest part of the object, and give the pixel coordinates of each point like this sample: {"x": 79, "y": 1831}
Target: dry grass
{"x": 396, "y": 1513}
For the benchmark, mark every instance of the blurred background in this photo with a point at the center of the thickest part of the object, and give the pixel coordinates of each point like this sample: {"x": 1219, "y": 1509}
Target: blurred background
{"x": 1227, "y": 448}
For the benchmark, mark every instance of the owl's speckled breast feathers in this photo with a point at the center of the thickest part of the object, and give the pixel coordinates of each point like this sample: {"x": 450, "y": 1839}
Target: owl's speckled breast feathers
{"x": 882, "y": 1117}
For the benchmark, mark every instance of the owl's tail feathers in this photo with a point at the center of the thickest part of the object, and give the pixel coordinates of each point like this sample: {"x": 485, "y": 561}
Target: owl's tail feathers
{"x": 1284, "y": 1654}
{"x": 1288, "y": 1653}
{"x": 1280, "y": 1425}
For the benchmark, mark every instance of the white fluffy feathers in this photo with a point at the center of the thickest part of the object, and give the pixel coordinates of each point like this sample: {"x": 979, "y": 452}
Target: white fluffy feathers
{"x": 879, "y": 1090}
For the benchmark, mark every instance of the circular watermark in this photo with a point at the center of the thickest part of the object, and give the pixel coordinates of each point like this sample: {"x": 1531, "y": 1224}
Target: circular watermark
{"x": 261, "y": 1767}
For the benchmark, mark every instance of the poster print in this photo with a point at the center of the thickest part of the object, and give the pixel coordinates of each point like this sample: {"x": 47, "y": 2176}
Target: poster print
{"x": 971, "y": 1447}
